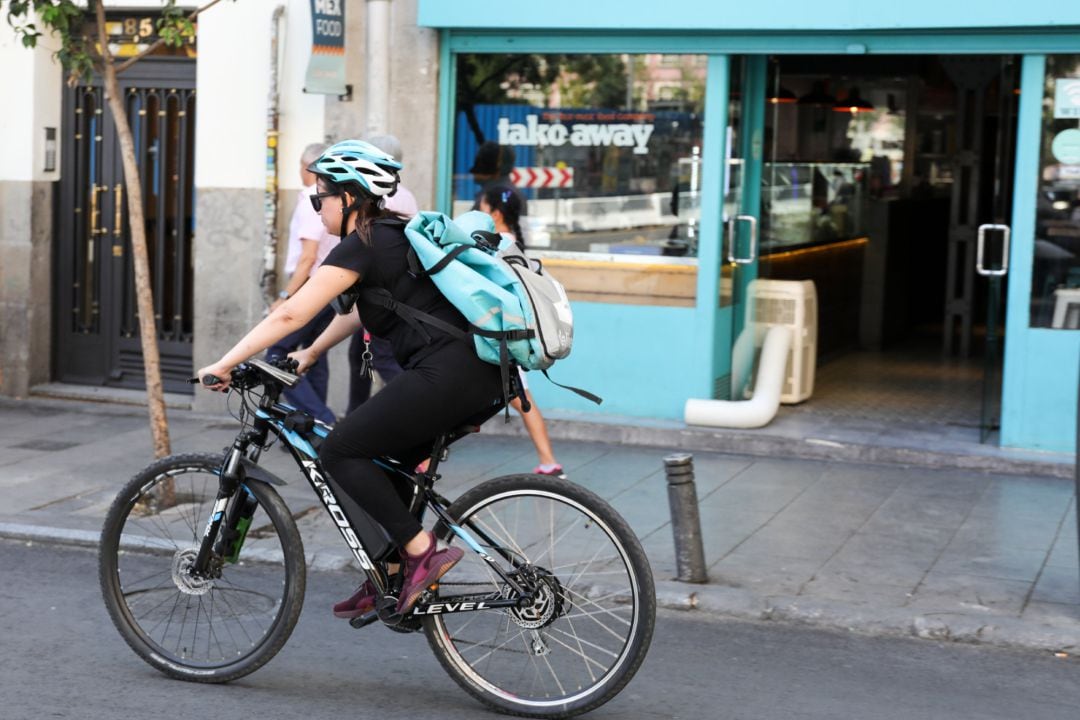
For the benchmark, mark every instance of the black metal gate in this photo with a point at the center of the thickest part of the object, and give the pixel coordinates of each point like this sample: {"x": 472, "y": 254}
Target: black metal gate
{"x": 96, "y": 328}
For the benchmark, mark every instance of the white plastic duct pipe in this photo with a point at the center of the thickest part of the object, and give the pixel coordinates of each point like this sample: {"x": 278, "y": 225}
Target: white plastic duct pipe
{"x": 377, "y": 91}
{"x": 759, "y": 410}
{"x": 743, "y": 353}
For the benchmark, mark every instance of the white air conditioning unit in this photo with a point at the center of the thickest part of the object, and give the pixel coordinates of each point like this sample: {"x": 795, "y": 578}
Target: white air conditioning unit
{"x": 792, "y": 304}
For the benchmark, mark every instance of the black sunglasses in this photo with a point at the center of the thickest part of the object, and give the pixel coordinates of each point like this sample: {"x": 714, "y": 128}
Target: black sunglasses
{"x": 316, "y": 199}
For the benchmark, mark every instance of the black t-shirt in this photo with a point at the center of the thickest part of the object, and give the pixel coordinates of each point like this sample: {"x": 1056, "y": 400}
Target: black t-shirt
{"x": 384, "y": 264}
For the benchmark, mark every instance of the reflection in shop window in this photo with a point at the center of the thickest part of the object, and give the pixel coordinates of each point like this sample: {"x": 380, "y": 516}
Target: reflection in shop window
{"x": 604, "y": 149}
{"x": 1055, "y": 280}
{"x": 832, "y": 144}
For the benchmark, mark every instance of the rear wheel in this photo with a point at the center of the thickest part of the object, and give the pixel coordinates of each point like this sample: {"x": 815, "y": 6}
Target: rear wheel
{"x": 208, "y": 629}
{"x": 588, "y": 628}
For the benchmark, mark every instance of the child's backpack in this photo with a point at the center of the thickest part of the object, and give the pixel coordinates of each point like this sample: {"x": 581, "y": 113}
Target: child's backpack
{"x": 517, "y": 312}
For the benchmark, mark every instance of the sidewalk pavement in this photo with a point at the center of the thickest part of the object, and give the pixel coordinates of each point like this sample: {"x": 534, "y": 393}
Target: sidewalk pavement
{"x": 956, "y": 554}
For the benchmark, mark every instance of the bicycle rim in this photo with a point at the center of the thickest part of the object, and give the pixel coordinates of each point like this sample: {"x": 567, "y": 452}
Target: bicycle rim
{"x": 577, "y": 637}
{"x": 188, "y": 622}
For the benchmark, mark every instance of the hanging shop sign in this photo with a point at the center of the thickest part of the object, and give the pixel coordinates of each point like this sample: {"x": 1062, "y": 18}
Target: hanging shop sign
{"x": 606, "y": 129}
{"x": 326, "y": 67}
{"x": 542, "y": 177}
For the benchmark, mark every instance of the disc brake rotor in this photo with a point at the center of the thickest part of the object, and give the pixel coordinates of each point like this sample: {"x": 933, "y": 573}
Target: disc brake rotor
{"x": 547, "y": 604}
{"x": 184, "y": 580}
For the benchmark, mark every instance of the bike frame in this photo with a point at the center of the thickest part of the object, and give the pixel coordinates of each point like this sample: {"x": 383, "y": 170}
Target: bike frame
{"x": 273, "y": 417}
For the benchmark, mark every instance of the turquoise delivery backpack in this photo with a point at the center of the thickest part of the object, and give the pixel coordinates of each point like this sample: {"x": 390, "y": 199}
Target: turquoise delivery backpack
{"x": 517, "y": 312}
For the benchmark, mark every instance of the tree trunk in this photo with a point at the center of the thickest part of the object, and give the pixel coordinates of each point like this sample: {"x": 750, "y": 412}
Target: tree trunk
{"x": 155, "y": 396}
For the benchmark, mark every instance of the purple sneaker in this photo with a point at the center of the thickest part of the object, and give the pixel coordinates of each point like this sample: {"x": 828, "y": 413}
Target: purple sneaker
{"x": 555, "y": 470}
{"x": 421, "y": 571}
{"x": 361, "y": 602}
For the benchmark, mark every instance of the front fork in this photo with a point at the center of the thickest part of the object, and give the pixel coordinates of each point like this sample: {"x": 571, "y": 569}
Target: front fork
{"x": 236, "y": 517}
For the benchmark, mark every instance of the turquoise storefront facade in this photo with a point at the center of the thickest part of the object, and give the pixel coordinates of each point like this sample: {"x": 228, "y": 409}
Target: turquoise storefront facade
{"x": 646, "y": 361}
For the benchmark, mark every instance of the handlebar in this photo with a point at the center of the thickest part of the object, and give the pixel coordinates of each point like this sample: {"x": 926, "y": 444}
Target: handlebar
{"x": 256, "y": 372}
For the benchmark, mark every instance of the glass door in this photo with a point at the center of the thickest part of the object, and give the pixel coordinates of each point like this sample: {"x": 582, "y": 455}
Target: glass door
{"x": 887, "y": 182}
{"x": 741, "y": 214}
{"x": 992, "y": 242}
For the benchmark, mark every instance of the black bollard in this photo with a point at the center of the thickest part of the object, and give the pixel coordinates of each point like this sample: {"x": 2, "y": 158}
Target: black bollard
{"x": 685, "y": 520}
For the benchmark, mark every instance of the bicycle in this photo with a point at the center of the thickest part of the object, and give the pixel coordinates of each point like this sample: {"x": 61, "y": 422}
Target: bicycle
{"x": 203, "y": 570}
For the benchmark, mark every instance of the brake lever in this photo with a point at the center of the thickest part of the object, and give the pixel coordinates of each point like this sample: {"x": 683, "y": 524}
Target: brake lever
{"x": 285, "y": 378}
{"x": 287, "y": 364}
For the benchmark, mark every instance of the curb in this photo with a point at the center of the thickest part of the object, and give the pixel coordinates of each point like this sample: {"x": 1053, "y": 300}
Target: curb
{"x": 758, "y": 444}
{"x": 739, "y": 604}
{"x": 998, "y": 631}
{"x": 46, "y": 534}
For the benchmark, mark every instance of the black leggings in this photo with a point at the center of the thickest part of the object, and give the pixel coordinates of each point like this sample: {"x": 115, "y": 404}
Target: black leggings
{"x": 402, "y": 421}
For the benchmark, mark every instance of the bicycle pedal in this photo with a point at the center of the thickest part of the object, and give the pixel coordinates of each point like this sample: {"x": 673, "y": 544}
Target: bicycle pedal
{"x": 386, "y": 610}
{"x": 365, "y": 619}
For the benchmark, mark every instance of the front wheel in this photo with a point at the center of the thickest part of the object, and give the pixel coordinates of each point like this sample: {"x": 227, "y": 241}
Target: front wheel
{"x": 214, "y": 627}
{"x": 589, "y": 625}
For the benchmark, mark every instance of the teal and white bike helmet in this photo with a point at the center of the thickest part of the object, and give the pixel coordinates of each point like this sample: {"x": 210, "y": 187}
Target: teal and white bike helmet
{"x": 355, "y": 161}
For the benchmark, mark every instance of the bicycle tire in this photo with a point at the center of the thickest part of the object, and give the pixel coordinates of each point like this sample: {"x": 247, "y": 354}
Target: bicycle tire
{"x": 538, "y": 490}
{"x": 110, "y": 551}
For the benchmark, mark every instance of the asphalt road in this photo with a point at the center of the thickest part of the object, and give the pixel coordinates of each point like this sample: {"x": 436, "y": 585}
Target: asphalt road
{"x": 61, "y": 657}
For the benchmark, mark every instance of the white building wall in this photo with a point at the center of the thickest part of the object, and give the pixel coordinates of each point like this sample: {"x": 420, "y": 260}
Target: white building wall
{"x": 32, "y": 102}
{"x": 233, "y": 79}
{"x": 30, "y": 83}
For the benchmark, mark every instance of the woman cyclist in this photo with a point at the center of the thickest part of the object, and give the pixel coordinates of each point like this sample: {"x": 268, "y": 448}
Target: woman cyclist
{"x": 444, "y": 381}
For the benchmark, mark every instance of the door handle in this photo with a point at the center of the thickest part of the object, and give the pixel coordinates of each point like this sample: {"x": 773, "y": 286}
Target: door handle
{"x": 981, "y": 247}
{"x": 118, "y": 226}
{"x": 95, "y": 209}
{"x": 753, "y": 239}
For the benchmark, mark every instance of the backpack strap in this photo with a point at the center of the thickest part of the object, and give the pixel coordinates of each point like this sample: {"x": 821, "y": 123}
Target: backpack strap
{"x": 412, "y": 316}
{"x": 583, "y": 393}
{"x": 417, "y": 269}
{"x": 416, "y": 318}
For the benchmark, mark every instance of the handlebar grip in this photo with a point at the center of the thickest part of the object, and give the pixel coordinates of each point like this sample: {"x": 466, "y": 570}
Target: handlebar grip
{"x": 209, "y": 380}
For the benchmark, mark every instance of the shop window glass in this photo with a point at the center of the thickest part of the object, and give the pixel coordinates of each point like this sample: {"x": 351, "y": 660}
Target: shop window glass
{"x": 831, "y": 144}
{"x": 604, "y": 149}
{"x": 1055, "y": 280}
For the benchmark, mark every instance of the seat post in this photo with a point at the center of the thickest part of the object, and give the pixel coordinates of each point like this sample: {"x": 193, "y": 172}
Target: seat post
{"x": 437, "y": 451}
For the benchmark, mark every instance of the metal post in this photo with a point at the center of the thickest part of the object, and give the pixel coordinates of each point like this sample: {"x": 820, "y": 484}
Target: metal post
{"x": 685, "y": 521}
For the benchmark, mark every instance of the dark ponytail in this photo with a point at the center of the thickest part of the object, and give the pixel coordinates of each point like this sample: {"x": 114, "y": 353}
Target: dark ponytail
{"x": 368, "y": 208}
{"x": 505, "y": 199}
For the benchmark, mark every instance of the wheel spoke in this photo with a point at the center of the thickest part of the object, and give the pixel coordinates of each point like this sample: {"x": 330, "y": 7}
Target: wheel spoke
{"x": 602, "y": 611}
{"x": 563, "y": 644}
{"x": 191, "y": 621}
